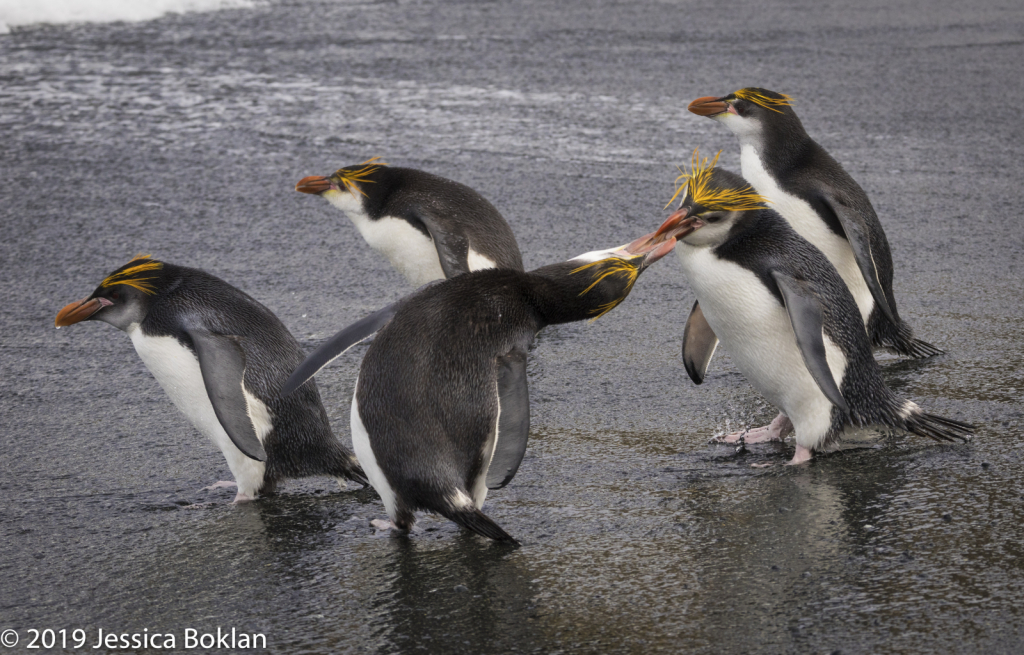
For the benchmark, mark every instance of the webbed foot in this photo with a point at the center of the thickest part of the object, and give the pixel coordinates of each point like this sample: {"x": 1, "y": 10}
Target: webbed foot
{"x": 777, "y": 430}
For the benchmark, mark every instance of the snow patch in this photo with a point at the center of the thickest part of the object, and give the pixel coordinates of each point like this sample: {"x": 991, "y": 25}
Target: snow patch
{"x": 30, "y": 12}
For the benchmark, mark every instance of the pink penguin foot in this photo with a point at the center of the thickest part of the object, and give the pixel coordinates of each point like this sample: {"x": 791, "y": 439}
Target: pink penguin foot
{"x": 242, "y": 498}
{"x": 777, "y": 430}
{"x": 748, "y": 436}
{"x": 800, "y": 456}
{"x": 380, "y": 525}
{"x": 223, "y": 484}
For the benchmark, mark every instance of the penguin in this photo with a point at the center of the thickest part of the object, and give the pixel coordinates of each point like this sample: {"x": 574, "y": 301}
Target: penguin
{"x": 787, "y": 318}
{"x": 821, "y": 201}
{"x": 441, "y": 410}
{"x": 221, "y": 357}
{"x": 429, "y": 227}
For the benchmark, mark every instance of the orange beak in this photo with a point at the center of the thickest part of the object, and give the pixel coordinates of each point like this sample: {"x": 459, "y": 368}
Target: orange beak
{"x": 315, "y": 184}
{"x": 653, "y": 246}
{"x": 79, "y": 311}
{"x": 678, "y": 225}
{"x": 709, "y": 106}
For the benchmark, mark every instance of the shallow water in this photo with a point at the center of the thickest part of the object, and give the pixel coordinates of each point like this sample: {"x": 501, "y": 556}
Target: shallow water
{"x": 183, "y": 137}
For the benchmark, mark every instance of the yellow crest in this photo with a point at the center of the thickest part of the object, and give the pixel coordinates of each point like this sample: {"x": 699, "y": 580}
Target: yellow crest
{"x": 760, "y": 99}
{"x": 352, "y": 178}
{"x": 611, "y": 266}
{"x": 697, "y": 184}
{"x": 132, "y": 275}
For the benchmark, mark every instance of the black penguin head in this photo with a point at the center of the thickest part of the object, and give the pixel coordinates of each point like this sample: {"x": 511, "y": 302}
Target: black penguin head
{"x": 121, "y": 299}
{"x": 747, "y": 111}
{"x": 714, "y": 204}
{"x": 348, "y": 188}
{"x": 598, "y": 281}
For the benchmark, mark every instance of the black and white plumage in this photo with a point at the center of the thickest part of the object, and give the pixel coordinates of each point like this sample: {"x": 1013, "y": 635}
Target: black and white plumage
{"x": 222, "y": 357}
{"x": 821, "y": 201}
{"x": 429, "y": 227}
{"x": 786, "y": 317}
{"x": 440, "y": 413}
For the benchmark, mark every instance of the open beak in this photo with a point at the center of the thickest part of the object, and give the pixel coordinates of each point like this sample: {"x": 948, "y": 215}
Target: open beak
{"x": 79, "y": 311}
{"x": 678, "y": 225}
{"x": 315, "y": 184}
{"x": 652, "y": 246}
{"x": 710, "y": 106}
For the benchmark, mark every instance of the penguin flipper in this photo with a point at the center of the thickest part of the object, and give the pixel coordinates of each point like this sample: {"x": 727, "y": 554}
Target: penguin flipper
{"x": 452, "y": 245}
{"x": 513, "y": 419}
{"x": 858, "y": 234}
{"x": 222, "y": 363}
{"x": 807, "y": 318}
{"x": 699, "y": 344}
{"x": 337, "y": 345}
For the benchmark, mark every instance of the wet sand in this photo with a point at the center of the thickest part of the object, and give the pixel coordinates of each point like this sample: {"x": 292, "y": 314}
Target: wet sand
{"x": 183, "y": 137}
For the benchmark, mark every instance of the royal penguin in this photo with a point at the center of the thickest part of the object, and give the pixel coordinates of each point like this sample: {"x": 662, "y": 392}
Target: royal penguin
{"x": 428, "y": 227}
{"x": 441, "y": 410}
{"x": 821, "y": 201}
{"x": 791, "y": 325}
{"x": 222, "y": 357}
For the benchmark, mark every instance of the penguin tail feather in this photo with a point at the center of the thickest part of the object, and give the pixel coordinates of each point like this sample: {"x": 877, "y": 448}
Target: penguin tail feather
{"x": 901, "y": 339}
{"x": 939, "y": 428}
{"x": 357, "y": 475}
{"x": 475, "y": 520}
{"x": 347, "y": 466}
{"x": 919, "y": 349}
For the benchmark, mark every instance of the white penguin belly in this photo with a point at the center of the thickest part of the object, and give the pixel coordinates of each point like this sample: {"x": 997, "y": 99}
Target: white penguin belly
{"x": 802, "y": 217}
{"x": 755, "y": 328}
{"x": 177, "y": 371}
{"x": 364, "y": 453}
{"x": 412, "y": 253}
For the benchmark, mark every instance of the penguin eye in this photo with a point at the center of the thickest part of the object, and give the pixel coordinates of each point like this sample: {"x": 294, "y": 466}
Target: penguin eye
{"x": 712, "y": 218}
{"x": 114, "y": 295}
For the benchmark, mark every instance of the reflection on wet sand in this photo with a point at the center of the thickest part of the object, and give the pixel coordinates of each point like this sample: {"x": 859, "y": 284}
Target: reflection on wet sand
{"x": 459, "y": 594}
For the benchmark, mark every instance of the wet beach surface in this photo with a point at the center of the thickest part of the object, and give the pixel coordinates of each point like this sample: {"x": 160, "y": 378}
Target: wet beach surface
{"x": 183, "y": 137}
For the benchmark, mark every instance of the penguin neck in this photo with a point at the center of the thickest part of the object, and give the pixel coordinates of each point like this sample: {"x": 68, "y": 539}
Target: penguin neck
{"x": 560, "y": 295}
{"x": 756, "y": 232}
{"x": 348, "y": 202}
{"x": 778, "y": 149}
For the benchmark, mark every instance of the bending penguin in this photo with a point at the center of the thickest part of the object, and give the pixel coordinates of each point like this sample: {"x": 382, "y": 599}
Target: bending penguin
{"x": 221, "y": 357}
{"x": 429, "y": 227}
{"x": 786, "y": 317}
{"x": 441, "y": 410}
{"x": 821, "y": 201}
